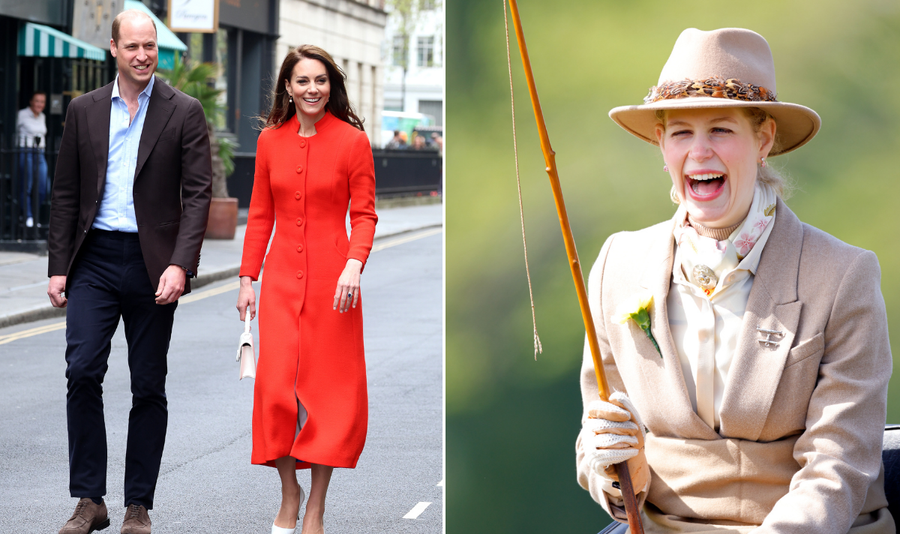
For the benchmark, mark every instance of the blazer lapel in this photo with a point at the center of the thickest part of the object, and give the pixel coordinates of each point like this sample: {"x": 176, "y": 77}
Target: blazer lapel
{"x": 159, "y": 111}
{"x": 98, "y": 132}
{"x": 757, "y": 366}
{"x": 656, "y": 278}
{"x": 672, "y": 407}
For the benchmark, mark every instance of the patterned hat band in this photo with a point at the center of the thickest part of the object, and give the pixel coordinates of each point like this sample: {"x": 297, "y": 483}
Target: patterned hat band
{"x": 715, "y": 87}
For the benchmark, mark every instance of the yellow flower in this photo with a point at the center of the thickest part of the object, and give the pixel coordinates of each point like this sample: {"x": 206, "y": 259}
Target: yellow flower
{"x": 638, "y": 310}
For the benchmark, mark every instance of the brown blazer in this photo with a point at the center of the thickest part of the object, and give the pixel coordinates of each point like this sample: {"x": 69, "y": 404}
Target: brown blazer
{"x": 172, "y": 182}
{"x": 799, "y": 444}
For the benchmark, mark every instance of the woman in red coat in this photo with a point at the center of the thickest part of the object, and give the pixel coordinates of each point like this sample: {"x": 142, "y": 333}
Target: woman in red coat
{"x": 313, "y": 159}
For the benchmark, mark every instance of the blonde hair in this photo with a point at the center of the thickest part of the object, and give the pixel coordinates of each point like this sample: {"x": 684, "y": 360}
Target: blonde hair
{"x": 767, "y": 175}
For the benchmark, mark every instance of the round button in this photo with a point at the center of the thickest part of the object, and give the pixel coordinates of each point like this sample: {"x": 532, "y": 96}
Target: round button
{"x": 299, "y": 274}
{"x": 302, "y": 143}
{"x": 300, "y": 247}
{"x": 300, "y": 168}
{"x": 299, "y": 221}
{"x": 297, "y": 195}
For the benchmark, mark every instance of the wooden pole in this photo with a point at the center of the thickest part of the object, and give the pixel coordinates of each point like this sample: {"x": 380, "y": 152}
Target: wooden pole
{"x": 631, "y": 509}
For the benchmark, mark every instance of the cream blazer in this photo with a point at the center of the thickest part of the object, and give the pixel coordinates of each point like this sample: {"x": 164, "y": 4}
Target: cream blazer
{"x": 799, "y": 445}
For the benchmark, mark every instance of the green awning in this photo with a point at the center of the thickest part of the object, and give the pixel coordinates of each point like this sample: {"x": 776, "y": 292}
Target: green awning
{"x": 37, "y": 40}
{"x": 169, "y": 44}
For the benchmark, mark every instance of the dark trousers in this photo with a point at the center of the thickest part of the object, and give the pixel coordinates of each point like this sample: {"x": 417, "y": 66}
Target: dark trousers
{"x": 109, "y": 280}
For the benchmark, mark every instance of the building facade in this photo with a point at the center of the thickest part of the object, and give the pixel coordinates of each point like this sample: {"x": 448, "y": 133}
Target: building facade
{"x": 413, "y": 53}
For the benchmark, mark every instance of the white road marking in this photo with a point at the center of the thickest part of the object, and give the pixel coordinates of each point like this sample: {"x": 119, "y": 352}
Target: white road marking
{"x": 417, "y": 510}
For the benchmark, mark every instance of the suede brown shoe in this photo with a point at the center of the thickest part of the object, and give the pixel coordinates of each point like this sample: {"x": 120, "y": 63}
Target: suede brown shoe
{"x": 137, "y": 520}
{"x": 87, "y": 518}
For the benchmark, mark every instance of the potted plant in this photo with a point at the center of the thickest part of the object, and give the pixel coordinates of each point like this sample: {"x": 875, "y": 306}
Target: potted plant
{"x": 195, "y": 81}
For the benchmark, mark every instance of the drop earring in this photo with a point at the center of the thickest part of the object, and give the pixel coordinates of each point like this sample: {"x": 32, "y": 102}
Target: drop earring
{"x": 665, "y": 168}
{"x": 291, "y": 99}
{"x": 762, "y": 163}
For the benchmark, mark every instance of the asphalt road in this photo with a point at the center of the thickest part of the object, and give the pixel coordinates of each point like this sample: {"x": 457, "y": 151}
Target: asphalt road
{"x": 207, "y": 484}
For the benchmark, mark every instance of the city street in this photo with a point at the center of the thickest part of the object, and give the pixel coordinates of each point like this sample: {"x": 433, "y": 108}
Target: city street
{"x": 207, "y": 484}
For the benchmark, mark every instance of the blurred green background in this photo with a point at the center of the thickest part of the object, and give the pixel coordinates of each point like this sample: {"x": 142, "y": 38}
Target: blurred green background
{"x": 511, "y": 421}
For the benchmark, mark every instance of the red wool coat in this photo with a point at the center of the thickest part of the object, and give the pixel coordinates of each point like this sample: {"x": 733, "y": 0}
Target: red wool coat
{"x": 308, "y": 352}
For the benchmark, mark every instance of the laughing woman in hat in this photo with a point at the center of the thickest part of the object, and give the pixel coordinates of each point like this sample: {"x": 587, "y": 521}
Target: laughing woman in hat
{"x": 756, "y": 396}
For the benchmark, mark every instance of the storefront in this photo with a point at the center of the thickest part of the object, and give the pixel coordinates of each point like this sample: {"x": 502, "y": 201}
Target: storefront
{"x": 35, "y": 56}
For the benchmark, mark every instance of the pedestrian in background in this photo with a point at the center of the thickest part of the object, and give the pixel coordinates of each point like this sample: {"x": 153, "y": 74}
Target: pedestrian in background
{"x": 129, "y": 209}
{"x": 31, "y": 138}
{"x": 313, "y": 159}
{"x": 397, "y": 142}
{"x": 438, "y": 142}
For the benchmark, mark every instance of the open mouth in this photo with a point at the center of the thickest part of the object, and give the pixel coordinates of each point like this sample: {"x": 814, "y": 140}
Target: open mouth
{"x": 312, "y": 100}
{"x": 706, "y": 184}
{"x": 141, "y": 68}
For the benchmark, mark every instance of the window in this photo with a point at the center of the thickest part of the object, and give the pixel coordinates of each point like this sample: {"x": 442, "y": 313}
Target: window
{"x": 425, "y": 52}
{"x": 397, "y": 51}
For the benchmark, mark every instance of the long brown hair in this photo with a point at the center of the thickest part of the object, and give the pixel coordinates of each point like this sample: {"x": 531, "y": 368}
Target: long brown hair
{"x": 338, "y": 102}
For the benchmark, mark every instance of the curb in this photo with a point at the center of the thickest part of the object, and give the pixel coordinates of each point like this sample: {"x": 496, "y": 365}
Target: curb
{"x": 47, "y": 311}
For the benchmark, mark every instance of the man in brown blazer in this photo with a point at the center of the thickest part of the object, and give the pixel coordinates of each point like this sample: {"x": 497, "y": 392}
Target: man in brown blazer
{"x": 129, "y": 210}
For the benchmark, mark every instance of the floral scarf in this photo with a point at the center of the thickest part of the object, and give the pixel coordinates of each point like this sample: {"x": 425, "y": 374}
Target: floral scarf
{"x": 704, "y": 260}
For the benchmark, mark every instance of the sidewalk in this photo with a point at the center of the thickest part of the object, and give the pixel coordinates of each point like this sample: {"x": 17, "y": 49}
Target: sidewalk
{"x": 23, "y": 277}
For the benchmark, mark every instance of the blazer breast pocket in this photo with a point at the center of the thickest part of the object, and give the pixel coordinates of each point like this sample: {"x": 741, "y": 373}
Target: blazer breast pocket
{"x": 811, "y": 347}
{"x": 169, "y": 134}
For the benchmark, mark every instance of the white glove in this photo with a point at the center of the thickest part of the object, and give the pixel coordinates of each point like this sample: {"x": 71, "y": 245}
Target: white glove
{"x": 613, "y": 433}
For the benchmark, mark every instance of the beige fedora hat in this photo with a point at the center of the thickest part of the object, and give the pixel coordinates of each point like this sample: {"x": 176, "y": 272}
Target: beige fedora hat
{"x": 730, "y": 67}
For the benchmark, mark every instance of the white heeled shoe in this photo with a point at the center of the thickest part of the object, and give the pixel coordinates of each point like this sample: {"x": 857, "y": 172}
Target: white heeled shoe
{"x": 279, "y": 530}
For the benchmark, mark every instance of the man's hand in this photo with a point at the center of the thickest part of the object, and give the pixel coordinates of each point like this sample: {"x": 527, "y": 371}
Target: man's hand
{"x": 171, "y": 285}
{"x": 56, "y": 290}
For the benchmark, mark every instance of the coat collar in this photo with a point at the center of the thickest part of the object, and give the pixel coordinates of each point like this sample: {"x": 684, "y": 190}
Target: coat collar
{"x": 98, "y": 131}
{"x": 159, "y": 111}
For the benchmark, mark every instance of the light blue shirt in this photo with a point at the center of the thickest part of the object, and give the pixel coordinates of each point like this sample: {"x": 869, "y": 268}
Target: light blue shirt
{"x": 117, "y": 207}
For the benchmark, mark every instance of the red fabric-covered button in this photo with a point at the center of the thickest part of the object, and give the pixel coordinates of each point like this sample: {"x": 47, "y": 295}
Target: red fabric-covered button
{"x": 300, "y": 247}
{"x": 299, "y": 274}
{"x": 299, "y": 221}
{"x": 297, "y": 195}
{"x": 300, "y": 168}
{"x": 302, "y": 143}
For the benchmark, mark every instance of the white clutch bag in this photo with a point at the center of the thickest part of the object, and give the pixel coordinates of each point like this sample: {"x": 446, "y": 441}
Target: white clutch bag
{"x": 245, "y": 353}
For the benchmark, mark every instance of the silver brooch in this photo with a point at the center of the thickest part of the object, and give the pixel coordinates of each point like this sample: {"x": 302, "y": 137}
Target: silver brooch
{"x": 704, "y": 277}
{"x": 772, "y": 337}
